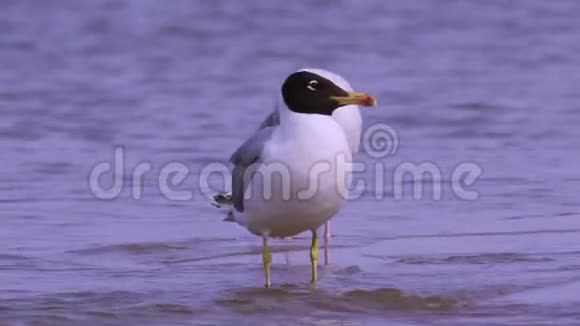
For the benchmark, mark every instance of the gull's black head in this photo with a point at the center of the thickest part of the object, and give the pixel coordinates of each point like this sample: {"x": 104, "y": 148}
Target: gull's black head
{"x": 306, "y": 92}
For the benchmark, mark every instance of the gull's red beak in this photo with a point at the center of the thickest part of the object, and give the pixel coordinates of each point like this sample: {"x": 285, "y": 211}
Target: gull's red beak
{"x": 362, "y": 99}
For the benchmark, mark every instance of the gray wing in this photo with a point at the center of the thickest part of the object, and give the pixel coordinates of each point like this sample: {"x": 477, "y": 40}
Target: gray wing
{"x": 247, "y": 154}
{"x": 272, "y": 120}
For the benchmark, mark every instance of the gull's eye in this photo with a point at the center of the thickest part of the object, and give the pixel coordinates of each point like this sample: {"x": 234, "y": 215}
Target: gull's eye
{"x": 312, "y": 85}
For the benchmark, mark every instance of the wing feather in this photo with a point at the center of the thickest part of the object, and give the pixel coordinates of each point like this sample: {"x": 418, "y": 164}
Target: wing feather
{"x": 250, "y": 152}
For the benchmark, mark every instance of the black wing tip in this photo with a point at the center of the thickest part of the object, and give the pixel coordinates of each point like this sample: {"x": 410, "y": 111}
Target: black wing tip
{"x": 230, "y": 217}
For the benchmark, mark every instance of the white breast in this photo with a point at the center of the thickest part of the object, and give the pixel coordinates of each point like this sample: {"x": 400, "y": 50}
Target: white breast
{"x": 314, "y": 156}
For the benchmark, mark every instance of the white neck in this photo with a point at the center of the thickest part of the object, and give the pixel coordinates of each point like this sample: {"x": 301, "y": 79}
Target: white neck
{"x": 299, "y": 123}
{"x": 348, "y": 117}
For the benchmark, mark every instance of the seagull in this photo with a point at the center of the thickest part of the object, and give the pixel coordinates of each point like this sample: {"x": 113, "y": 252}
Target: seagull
{"x": 348, "y": 117}
{"x": 292, "y": 176}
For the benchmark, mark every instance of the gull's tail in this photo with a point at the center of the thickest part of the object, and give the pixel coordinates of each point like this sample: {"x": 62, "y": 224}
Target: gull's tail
{"x": 224, "y": 200}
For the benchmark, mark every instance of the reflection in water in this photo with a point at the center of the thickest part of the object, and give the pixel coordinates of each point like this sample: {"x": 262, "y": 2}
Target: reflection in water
{"x": 294, "y": 298}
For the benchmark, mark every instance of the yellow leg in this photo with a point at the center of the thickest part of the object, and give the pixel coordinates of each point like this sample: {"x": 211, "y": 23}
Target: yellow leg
{"x": 326, "y": 251}
{"x": 267, "y": 259}
{"x": 327, "y": 230}
{"x": 314, "y": 256}
{"x": 327, "y": 237}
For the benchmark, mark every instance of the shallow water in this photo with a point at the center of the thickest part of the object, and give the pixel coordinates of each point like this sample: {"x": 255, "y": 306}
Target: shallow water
{"x": 492, "y": 83}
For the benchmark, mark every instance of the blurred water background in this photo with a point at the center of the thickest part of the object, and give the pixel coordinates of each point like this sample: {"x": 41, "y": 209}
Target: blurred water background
{"x": 489, "y": 82}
